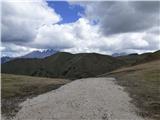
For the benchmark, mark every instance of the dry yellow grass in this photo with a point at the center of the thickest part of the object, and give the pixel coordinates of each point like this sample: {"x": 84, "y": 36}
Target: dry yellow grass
{"x": 17, "y": 88}
{"x": 143, "y": 84}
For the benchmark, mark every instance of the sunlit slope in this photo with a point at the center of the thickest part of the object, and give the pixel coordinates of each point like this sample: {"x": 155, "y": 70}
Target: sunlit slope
{"x": 17, "y": 88}
{"x": 143, "y": 84}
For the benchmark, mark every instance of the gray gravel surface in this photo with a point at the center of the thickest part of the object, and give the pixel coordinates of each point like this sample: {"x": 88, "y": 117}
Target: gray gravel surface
{"x": 83, "y": 99}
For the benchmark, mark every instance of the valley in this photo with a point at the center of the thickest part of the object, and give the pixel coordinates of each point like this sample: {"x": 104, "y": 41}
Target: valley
{"x": 137, "y": 74}
{"x": 80, "y": 60}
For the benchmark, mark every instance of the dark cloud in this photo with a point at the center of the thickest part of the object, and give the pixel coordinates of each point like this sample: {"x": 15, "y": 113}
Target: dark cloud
{"x": 147, "y": 6}
{"x": 122, "y": 17}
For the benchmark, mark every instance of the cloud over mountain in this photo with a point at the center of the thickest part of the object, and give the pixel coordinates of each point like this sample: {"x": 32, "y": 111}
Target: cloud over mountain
{"x": 105, "y": 27}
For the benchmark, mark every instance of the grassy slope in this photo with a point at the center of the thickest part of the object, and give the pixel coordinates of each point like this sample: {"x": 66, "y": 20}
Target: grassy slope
{"x": 134, "y": 59}
{"x": 74, "y": 66}
{"x": 90, "y": 65}
{"x": 143, "y": 84}
{"x": 64, "y": 65}
{"x": 141, "y": 81}
{"x": 16, "y": 88}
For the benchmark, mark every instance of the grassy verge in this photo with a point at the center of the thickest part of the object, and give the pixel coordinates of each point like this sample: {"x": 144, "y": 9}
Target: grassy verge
{"x": 143, "y": 84}
{"x": 17, "y": 88}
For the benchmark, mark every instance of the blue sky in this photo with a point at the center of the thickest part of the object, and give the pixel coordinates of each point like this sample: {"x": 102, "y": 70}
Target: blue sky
{"x": 69, "y": 13}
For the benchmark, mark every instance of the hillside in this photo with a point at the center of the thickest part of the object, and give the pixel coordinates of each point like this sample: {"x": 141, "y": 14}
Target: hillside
{"x": 134, "y": 59}
{"x": 34, "y": 54}
{"x": 143, "y": 84}
{"x": 74, "y": 66}
{"x": 64, "y": 65}
{"x": 142, "y": 81}
{"x": 17, "y": 88}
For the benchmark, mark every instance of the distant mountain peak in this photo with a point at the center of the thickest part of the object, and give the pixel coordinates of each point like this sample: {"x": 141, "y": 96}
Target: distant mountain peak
{"x": 5, "y": 59}
{"x": 119, "y": 54}
{"x": 34, "y": 54}
{"x": 40, "y": 54}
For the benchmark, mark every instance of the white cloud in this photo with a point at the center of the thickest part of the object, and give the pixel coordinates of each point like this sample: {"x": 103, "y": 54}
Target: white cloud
{"x": 65, "y": 36}
{"x": 24, "y": 30}
{"x": 22, "y": 19}
{"x": 14, "y": 50}
{"x": 129, "y": 42}
{"x": 54, "y": 36}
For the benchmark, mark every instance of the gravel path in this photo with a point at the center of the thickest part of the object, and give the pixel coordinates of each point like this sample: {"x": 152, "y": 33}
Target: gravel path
{"x": 83, "y": 99}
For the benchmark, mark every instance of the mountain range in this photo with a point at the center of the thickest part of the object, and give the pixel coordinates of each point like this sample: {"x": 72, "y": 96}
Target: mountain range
{"x": 34, "y": 54}
{"x": 6, "y": 59}
{"x": 40, "y": 54}
{"x": 119, "y": 54}
{"x": 74, "y": 66}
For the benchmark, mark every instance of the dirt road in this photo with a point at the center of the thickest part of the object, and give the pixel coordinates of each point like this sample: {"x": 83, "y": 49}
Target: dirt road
{"x": 83, "y": 99}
